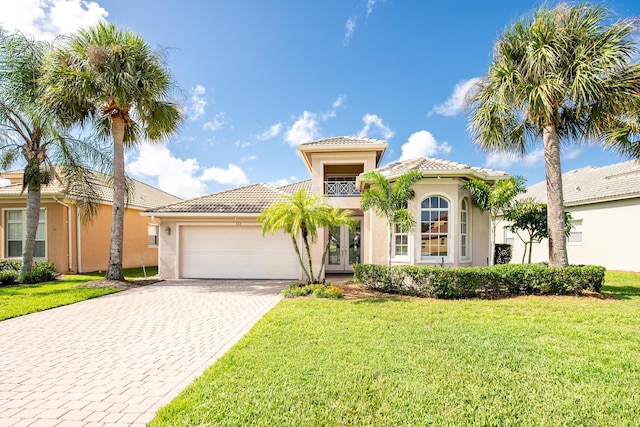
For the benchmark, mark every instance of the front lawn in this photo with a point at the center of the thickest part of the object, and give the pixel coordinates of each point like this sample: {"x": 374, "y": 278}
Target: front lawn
{"x": 518, "y": 361}
{"x": 19, "y": 300}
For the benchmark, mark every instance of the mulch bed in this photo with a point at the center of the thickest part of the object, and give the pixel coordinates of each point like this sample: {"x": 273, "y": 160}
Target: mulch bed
{"x": 126, "y": 284}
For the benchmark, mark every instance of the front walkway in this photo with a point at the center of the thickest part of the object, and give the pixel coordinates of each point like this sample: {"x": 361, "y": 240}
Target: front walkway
{"x": 115, "y": 360}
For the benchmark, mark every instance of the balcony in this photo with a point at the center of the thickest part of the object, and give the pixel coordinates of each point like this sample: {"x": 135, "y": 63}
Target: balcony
{"x": 341, "y": 188}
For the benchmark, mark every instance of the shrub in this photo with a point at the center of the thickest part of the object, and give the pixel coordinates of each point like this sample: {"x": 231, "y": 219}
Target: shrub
{"x": 42, "y": 271}
{"x": 10, "y": 264}
{"x": 502, "y": 253}
{"x": 8, "y": 277}
{"x": 486, "y": 282}
{"x": 317, "y": 290}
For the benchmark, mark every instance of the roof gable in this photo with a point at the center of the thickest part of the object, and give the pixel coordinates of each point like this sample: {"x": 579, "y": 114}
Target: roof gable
{"x": 430, "y": 166}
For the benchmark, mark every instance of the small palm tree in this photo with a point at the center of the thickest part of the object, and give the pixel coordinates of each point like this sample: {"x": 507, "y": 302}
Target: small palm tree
{"x": 302, "y": 214}
{"x": 389, "y": 200}
{"x": 561, "y": 75}
{"x": 30, "y": 133}
{"x": 113, "y": 79}
{"x": 336, "y": 218}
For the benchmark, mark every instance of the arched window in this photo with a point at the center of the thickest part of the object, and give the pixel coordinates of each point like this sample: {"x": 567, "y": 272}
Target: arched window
{"x": 464, "y": 229}
{"x": 434, "y": 227}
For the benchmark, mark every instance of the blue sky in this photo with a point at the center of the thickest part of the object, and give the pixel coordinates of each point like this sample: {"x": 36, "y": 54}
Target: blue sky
{"x": 256, "y": 78}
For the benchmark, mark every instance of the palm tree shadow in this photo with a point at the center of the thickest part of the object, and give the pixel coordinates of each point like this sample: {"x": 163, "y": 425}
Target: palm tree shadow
{"x": 621, "y": 292}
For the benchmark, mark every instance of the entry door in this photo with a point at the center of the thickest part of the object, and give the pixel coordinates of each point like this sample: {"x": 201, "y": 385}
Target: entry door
{"x": 345, "y": 248}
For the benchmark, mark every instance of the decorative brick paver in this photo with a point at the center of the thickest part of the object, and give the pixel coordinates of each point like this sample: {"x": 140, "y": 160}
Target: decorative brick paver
{"x": 117, "y": 359}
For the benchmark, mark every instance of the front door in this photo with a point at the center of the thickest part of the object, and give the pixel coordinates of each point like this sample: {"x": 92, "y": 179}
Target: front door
{"x": 345, "y": 248}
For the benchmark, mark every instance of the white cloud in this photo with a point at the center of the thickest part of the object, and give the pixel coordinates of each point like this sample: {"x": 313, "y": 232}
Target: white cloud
{"x": 339, "y": 102}
{"x": 350, "y": 28}
{"x": 372, "y": 120}
{"x": 272, "y": 132}
{"x": 370, "y": 4}
{"x": 304, "y": 129}
{"x": 423, "y": 144}
{"x": 45, "y": 19}
{"x": 198, "y": 102}
{"x": 4, "y": 182}
{"x": 182, "y": 177}
{"x": 232, "y": 175}
{"x": 505, "y": 160}
{"x": 571, "y": 154}
{"x": 218, "y": 121}
{"x": 454, "y": 104}
{"x": 248, "y": 159}
{"x": 283, "y": 181}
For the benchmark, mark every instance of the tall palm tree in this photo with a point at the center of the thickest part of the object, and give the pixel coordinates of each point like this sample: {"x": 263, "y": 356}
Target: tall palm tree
{"x": 302, "y": 214}
{"x": 562, "y": 75}
{"x": 113, "y": 79}
{"x": 389, "y": 200}
{"x": 30, "y": 133}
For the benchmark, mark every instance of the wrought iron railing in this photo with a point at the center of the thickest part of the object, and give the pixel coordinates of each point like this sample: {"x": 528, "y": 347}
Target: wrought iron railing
{"x": 341, "y": 188}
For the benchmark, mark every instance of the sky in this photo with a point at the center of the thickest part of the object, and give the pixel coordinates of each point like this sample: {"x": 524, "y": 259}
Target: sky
{"x": 256, "y": 78}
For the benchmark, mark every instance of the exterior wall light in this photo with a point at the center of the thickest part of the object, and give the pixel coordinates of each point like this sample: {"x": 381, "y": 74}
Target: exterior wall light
{"x": 168, "y": 230}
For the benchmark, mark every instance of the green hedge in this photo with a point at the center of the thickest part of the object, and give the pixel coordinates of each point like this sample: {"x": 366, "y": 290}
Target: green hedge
{"x": 482, "y": 282}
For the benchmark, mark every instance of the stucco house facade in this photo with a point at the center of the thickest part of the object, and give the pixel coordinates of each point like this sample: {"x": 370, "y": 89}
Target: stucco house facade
{"x": 74, "y": 246}
{"x": 604, "y": 203}
{"x": 219, "y": 236}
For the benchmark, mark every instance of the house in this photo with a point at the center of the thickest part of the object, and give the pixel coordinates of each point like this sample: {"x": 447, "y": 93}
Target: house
{"x": 219, "y": 236}
{"x": 604, "y": 203}
{"x": 74, "y": 246}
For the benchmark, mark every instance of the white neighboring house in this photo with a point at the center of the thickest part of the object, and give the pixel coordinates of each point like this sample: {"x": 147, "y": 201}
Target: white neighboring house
{"x": 605, "y": 205}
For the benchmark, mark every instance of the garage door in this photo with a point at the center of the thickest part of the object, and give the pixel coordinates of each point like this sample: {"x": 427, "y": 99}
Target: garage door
{"x": 226, "y": 252}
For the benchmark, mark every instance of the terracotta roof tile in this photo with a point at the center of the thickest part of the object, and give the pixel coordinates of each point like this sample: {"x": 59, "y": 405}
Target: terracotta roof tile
{"x": 343, "y": 140}
{"x": 430, "y": 165}
{"x": 593, "y": 184}
{"x": 295, "y": 186}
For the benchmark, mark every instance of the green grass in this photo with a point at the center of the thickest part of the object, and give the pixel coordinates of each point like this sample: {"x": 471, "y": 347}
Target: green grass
{"x": 24, "y": 299}
{"x": 522, "y": 361}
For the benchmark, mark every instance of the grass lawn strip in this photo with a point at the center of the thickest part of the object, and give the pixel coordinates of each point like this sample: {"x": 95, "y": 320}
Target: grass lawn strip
{"x": 518, "y": 361}
{"x": 24, "y": 299}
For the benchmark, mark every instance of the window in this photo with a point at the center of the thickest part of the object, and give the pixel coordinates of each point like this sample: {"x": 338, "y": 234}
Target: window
{"x": 464, "y": 229}
{"x": 575, "y": 236}
{"x": 509, "y": 237}
{"x": 16, "y": 221}
{"x": 401, "y": 242}
{"x": 434, "y": 227}
{"x": 153, "y": 234}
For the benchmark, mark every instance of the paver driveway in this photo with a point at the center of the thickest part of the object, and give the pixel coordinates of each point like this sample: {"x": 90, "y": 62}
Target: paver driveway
{"x": 115, "y": 360}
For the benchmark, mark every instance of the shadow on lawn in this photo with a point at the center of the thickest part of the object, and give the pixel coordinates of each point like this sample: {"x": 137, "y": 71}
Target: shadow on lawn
{"x": 621, "y": 292}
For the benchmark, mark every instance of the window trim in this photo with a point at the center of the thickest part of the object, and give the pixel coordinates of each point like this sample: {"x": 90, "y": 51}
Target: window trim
{"x": 431, "y": 258}
{"x": 394, "y": 255}
{"x": 5, "y": 219}
{"x": 465, "y": 202}
{"x": 576, "y": 225}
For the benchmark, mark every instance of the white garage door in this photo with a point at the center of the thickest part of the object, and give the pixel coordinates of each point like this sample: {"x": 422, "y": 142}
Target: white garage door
{"x": 226, "y": 252}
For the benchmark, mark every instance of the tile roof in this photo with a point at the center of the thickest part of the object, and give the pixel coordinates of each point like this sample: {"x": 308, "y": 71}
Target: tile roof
{"x": 295, "y": 186}
{"x": 342, "y": 141}
{"x": 142, "y": 196}
{"x": 248, "y": 199}
{"x": 594, "y": 184}
{"x": 433, "y": 166}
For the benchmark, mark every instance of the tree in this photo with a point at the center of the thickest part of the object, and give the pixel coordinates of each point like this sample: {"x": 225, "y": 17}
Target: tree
{"x": 561, "y": 75}
{"x": 530, "y": 216}
{"x": 495, "y": 199}
{"x": 114, "y": 80}
{"x": 30, "y": 133}
{"x": 389, "y": 200}
{"x": 302, "y": 214}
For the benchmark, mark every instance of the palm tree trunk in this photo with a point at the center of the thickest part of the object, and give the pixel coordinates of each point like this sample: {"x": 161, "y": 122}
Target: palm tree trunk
{"x": 114, "y": 270}
{"x": 297, "y": 249}
{"x": 33, "y": 218}
{"x": 307, "y": 247}
{"x": 390, "y": 243}
{"x": 324, "y": 254}
{"x": 555, "y": 198}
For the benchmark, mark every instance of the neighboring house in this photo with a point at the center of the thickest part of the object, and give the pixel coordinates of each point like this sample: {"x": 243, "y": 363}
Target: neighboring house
{"x": 219, "y": 236}
{"x": 63, "y": 239}
{"x": 605, "y": 207}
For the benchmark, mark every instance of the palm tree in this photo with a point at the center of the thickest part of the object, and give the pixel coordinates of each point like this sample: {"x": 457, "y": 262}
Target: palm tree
{"x": 31, "y": 133}
{"x": 389, "y": 200}
{"x": 336, "y": 218}
{"x": 302, "y": 214}
{"x": 561, "y": 75}
{"x": 113, "y": 79}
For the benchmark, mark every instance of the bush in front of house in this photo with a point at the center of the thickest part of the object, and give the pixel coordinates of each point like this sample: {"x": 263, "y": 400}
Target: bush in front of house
{"x": 318, "y": 290}
{"x": 481, "y": 282}
{"x": 42, "y": 271}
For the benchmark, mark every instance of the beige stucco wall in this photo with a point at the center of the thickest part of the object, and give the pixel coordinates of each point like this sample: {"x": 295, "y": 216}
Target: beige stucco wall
{"x": 610, "y": 234}
{"x": 95, "y": 239}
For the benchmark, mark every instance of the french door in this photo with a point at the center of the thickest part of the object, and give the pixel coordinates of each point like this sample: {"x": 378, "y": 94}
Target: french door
{"x": 345, "y": 248}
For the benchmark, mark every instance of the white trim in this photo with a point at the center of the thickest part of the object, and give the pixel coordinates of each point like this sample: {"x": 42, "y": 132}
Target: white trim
{"x": 70, "y": 237}
{"x": 5, "y": 245}
{"x": 78, "y": 241}
{"x": 198, "y": 215}
{"x": 469, "y": 256}
{"x": 435, "y": 258}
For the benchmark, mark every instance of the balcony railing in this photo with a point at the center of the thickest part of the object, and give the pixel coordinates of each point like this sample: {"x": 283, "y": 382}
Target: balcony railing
{"x": 341, "y": 188}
